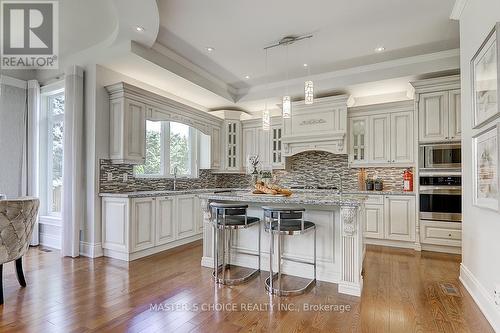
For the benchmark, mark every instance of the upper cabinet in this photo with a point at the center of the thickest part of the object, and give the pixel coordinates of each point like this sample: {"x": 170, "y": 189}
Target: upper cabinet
{"x": 382, "y": 134}
{"x": 131, "y": 106}
{"x": 439, "y": 107}
{"x": 266, "y": 144}
{"x": 232, "y": 145}
{"x": 128, "y": 131}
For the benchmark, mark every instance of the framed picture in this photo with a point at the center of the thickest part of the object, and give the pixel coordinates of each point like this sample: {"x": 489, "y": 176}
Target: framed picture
{"x": 486, "y": 79}
{"x": 486, "y": 168}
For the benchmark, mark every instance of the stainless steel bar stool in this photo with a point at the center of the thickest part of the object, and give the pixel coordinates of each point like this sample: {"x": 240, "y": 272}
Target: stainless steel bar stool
{"x": 229, "y": 217}
{"x": 289, "y": 221}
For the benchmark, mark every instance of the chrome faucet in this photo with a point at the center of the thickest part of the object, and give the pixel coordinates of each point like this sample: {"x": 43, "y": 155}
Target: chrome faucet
{"x": 175, "y": 178}
{"x": 341, "y": 189}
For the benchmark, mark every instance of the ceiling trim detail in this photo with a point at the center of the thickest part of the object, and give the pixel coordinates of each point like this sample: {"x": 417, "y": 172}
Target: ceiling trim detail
{"x": 457, "y": 10}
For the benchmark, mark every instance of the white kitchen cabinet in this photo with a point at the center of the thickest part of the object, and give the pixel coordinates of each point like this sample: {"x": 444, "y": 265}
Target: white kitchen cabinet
{"x": 232, "y": 145}
{"x": 165, "y": 215}
{"x": 382, "y": 134}
{"x": 455, "y": 109}
{"x": 402, "y": 139}
{"x": 127, "y": 142}
{"x": 277, "y": 159}
{"x": 439, "y": 111}
{"x": 374, "y": 223}
{"x": 186, "y": 216}
{"x": 379, "y": 139}
{"x": 399, "y": 217}
{"x": 215, "y": 148}
{"x": 433, "y": 116}
{"x": 136, "y": 227}
{"x": 142, "y": 224}
{"x": 441, "y": 233}
{"x": 358, "y": 136}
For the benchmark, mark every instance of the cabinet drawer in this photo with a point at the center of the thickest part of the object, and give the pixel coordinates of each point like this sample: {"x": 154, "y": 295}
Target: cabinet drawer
{"x": 375, "y": 200}
{"x": 441, "y": 233}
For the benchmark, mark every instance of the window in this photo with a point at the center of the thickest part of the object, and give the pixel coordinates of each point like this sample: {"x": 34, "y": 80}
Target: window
{"x": 51, "y": 152}
{"x": 170, "y": 146}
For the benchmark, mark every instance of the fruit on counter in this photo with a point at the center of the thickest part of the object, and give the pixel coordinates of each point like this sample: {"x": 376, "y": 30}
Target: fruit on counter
{"x": 262, "y": 188}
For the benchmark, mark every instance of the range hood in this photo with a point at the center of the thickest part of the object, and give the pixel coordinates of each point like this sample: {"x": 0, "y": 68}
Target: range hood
{"x": 318, "y": 126}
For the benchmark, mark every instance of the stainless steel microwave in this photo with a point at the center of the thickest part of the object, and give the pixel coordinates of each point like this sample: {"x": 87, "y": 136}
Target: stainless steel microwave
{"x": 440, "y": 156}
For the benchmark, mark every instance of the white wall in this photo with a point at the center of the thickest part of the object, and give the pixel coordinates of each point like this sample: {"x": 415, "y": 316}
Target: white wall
{"x": 480, "y": 271}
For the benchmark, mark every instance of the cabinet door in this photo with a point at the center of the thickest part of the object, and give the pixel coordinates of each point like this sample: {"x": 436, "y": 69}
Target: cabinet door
{"x": 233, "y": 145}
{"x": 165, "y": 232}
{"x": 142, "y": 224}
{"x": 249, "y": 144}
{"x": 186, "y": 216}
{"x": 358, "y": 135}
{"x": 215, "y": 148}
{"x": 380, "y": 144}
{"x": 277, "y": 159}
{"x": 455, "y": 119}
{"x": 135, "y": 131}
{"x": 433, "y": 116}
{"x": 399, "y": 218}
{"x": 374, "y": 222}
{"x": 402, "y": 140}
{"x": 262, "y": 143}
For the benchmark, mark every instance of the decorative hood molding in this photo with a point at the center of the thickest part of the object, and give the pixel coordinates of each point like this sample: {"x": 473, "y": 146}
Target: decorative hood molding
{"x": 318, "y": 126}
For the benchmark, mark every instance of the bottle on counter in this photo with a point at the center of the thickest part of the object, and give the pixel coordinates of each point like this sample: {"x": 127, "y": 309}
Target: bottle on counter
{"x": 362, "y": 179}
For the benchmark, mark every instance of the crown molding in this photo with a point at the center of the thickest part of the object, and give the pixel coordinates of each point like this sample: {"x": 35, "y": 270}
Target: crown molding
{"x": 457, "y": 10}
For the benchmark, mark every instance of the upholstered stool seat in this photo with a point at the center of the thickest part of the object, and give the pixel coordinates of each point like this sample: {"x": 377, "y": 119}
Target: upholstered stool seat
{"x": 281, "y": 221}
{"x": 226, "y": 218}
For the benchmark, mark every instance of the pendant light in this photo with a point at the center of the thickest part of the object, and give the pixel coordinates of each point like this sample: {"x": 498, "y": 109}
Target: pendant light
{"x": 287, "y": 102}
{"x": 266, "y": 117}
{"x": 309, "y": 85}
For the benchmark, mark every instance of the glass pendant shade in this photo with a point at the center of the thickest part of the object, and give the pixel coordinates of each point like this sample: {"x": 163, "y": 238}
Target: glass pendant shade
{"x": 309, "y": 92}
{"x": 287, "y": 107}
{"x": 266, "y": 120}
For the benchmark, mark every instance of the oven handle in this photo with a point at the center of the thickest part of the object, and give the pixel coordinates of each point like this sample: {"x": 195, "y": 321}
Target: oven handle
{"x": 446, "y": 191}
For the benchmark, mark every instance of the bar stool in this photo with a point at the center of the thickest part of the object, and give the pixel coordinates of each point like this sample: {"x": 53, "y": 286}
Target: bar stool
{"x": 231, "y": 217}
{"x": 288, "y": 221}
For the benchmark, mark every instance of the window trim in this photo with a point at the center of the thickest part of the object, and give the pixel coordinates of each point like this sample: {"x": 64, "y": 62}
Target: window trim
{"x": 45, "y": 163}
{"x": 165, "y": 151}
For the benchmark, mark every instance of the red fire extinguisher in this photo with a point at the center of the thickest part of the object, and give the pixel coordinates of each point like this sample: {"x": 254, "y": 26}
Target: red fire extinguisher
{"x": 408, "y": 181}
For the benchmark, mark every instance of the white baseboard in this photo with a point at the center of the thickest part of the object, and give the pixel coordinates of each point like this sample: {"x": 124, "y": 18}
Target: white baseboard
{"x": 91, "y": 250}
{"x": 391, "y": 243}
{"x": 147, "y": 252}
{"x": 442, "y": 248}
{"x": 481, "y": 297}
{"x": 351, "y": 288}
{"x": 49, "y": 240}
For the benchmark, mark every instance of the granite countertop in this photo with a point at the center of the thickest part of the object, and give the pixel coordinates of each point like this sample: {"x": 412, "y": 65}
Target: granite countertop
{"x": 145, "y": 194}
{"x": 328, "y": 198}
{"x": 303, "y": 192}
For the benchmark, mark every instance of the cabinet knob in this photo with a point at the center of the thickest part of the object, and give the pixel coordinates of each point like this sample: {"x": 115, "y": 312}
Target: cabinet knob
{"x": 449, "y": 235}
{"x": 393, "y": 161}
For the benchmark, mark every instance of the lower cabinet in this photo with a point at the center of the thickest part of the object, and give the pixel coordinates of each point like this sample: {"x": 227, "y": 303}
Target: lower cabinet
{"x": 137, "y": 227}
{"x": 441, "y": 233}
{"x": 390, "y": 217}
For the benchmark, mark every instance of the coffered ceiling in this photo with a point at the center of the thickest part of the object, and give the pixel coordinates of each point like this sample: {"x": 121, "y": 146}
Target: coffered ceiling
{"x": 346, "y": 34}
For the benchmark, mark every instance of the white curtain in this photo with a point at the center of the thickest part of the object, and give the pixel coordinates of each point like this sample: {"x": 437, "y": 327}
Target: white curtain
{"x": 13, "y": 120}
{"x": 73, "y": 183}
{"x": 32, "y": 147}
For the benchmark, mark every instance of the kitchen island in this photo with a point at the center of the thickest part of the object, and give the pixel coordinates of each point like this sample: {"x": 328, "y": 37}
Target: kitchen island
{"x": 339, "y": 248}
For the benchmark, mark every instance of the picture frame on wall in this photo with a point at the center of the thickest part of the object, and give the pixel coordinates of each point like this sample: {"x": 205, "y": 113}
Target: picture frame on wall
{"x": 486, "y": 79}
{"x": 486, "y": 168}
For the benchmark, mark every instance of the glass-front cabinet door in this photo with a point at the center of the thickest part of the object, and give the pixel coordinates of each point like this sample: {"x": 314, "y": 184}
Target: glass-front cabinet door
{"x": 359, "y": 133}
{"x": 277, "y": 158}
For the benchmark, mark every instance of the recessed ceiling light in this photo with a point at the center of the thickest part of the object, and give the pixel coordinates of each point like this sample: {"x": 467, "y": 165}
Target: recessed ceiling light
{"x": 247, "y": 77}
{"x": 305, "y": 65}
{"x": 139, "y": 28}
{"x": 380, "y": 49}
{"x": 210, "y": 49}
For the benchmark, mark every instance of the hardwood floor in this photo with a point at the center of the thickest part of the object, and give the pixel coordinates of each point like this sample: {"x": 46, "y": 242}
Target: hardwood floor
{"x": 404, "y": 291}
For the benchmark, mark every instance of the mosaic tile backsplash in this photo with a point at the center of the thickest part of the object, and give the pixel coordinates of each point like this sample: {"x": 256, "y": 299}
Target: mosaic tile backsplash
{"x": 311, "y": 169}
